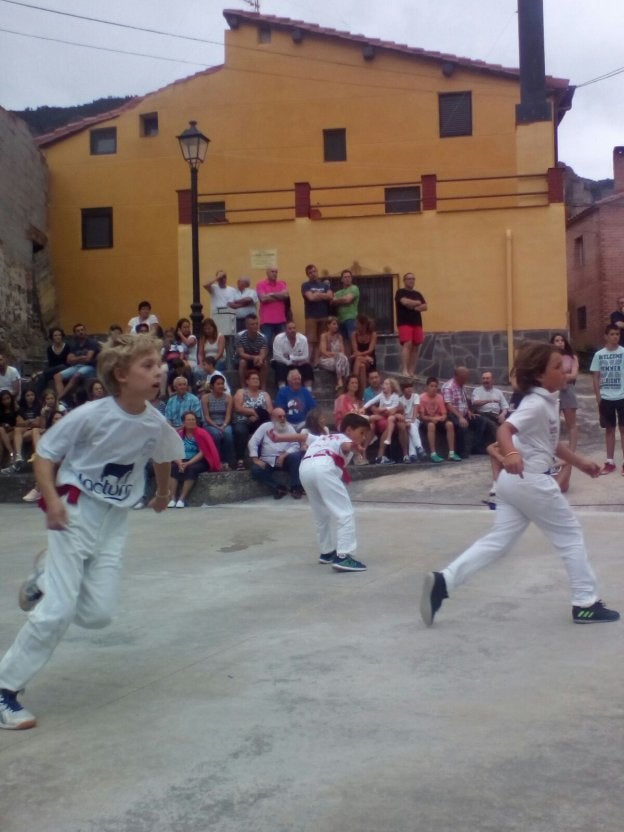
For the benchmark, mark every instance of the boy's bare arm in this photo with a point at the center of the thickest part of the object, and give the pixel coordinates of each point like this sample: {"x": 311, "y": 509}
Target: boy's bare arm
{"x": 56, "y": 513}
{"x": 583, "y": 463}
{"x": 160, "y": 500}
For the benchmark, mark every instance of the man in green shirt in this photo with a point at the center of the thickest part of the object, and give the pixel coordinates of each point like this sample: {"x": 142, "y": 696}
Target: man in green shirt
{"x": 346, "y": 301}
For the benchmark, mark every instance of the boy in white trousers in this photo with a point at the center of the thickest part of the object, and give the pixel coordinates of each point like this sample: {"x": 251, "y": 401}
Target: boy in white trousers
{"x": 410, "y": 401}
{"x": 100, "y": 450}
{"x": 323, "y": 475}
{"x": 528, "y": 443}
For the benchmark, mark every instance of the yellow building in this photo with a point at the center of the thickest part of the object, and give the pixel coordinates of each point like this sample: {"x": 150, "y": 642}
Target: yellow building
{"x": 328, "y": 148}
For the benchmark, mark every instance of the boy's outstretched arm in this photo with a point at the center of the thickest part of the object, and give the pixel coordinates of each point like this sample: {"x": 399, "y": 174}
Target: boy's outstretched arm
{"x": 161, "y": 499}
{"x": 56, "y": 513}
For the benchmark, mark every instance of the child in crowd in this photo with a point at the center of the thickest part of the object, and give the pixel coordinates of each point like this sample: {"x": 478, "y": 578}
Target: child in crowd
{"x": 323, "y": 476}
{"x": 607, "y": 369}
{"x": 528, "y": 442}
{"x": 432, "y": 412}
{"x": 386, "y": 417}
{"x": 100, "y": 451}
{"x": 410, "y": 401}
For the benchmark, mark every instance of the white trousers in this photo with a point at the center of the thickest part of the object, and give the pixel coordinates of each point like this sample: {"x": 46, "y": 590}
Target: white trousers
{"x": 537, "y": 498}
{"x": 415, "y": 442}
{"x": 330, "y": 504}
{"x": 80, "y": 585}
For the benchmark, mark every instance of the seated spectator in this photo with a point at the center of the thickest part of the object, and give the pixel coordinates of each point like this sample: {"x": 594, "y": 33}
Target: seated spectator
{"x": 252, "y": 407}
{"x": 200, "y": 455}
{"x": 34, "y": 495}
{"x": 187, "y": 344}
{"x": 10, "y": 378}
{"x": 179, "y": 367}
{"x": 8, "y": 420}
{"x": 363, "y": 345}
{"x": 464, "y": 420}
{"x": 386, "y": 418}
{"x": 297, "y": 401}
{"x": 217, "y": 417}
{"x": 182, "y": 402}
{"x": 28, "y": 419}
{"x": 409, "y": 402}
{"x": 212, "y": 374}
{"x": 268, "y": 455}
{"x": 374, "y": 386}
{"x": 489, "y": 401}
{"x": 290, "y": 349}
{"x": 332, "y": 354}
{"x": 145, "y": 316}
{"x": 114, "y": 329}
{"x": 252, "y": 350}
{"x": 56, "y": 356}
{"x": 348, "y": 402}
{"x": 96, "y": 390}
{"x": 433, "y": 414}
{"x": 81, "y": 361}
{"x": 211, "y": 347}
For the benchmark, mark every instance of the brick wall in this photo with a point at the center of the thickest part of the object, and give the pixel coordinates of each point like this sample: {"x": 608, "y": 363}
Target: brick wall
{"x": 24, "y": 263}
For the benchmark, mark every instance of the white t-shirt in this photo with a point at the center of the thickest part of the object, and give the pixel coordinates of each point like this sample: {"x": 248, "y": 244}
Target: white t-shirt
{"x": 610, "y": 365}
{"x": 286, "y": 353}
{"x": 221, "y": 297}
{"x": 250, "y": 309}
{"x": 383, "y": 401}
{"x": 7, "y": 379}
{"x": 134, "y": 322}
{"x": 409, "y": 407}
{"x": 330, "y": 442}
{"x": 537, "y": 423}
{"x": 103, "y": 450}
{"x": 495, "y": 401}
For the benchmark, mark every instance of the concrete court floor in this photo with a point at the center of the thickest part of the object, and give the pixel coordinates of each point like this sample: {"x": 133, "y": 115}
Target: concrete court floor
{"x": 242, "y": 686}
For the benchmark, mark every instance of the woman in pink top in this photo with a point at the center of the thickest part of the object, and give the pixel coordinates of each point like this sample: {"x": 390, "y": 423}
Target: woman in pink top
{"x": 348, "y": 402}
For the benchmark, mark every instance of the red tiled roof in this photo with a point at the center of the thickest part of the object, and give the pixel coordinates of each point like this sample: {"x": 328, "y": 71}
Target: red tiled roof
{"x": 75, "y": 127}
{"x": 313, "y": 28}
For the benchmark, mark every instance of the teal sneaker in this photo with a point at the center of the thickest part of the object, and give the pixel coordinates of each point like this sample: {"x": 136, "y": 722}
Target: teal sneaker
{"x": 436, "y": 457}
{"x": 347, "y": 564}
{"x": 453, "y": 457}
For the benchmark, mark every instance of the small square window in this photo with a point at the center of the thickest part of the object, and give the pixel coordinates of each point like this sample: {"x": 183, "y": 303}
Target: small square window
{"x": 97, "y": 227}
{"x": 149, "y": 124}
{"x": 581, "y": 317}
{"x": 455, "y": 114}
{"x": 335, "y": 145}
{"x": 403, "y": 200}
{"x": 103, "y": 141}
{"x": 211, "y": 212}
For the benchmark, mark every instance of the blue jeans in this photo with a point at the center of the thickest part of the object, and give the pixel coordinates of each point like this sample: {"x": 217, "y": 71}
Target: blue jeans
{"x": 270, "y": 331}
{"x": 266, "y": 473}
{"x": 224, "y": 442}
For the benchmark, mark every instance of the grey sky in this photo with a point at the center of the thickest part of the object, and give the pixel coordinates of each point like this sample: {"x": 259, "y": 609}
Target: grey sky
{"x": 583, "y": 41}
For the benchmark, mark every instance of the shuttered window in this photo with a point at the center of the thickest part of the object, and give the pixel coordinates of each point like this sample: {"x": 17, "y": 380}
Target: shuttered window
{"x": 455, "y": 112}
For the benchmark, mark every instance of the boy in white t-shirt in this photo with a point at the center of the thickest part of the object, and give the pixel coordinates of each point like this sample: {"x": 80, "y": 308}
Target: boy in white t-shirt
{"x": 100, "y": 450}
{"x": 528, "y": 442}
{"x": 607, "y": 369}
{"x": 323, "y": 475}
{"x": 410, "y": 401}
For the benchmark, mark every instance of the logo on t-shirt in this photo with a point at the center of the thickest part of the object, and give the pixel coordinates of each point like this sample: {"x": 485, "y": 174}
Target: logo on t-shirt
{"x": 113, "y": 483}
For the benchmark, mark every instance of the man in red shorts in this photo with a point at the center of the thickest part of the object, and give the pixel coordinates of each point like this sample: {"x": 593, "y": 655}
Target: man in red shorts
{"x": 409, "y": 304}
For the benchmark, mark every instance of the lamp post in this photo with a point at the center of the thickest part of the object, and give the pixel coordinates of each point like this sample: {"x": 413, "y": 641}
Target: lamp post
{"x": 194, "y": 145}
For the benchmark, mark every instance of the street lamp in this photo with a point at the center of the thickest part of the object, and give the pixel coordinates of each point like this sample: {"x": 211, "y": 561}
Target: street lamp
{"x": 194, "y": 145}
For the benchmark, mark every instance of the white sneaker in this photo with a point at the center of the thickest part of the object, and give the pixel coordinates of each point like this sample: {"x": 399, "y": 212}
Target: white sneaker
{"x": 171, "y": 504}
{"x": 29, "y": 592}
{"x": 13, "y": 715}
{"x": 33, "y": 496}
{"x": 138, "y": 506}
{"x": 180, "y": 504}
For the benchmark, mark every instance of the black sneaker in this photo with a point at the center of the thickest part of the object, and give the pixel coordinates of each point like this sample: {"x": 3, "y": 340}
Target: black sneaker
{"x": 346, "y": 563}
{"x": 596, "y": 614}
{"x": 433, "y": 593}
{"x": 328, "y": 557}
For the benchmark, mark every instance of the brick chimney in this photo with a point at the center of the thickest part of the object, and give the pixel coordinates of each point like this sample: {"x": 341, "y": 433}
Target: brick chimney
{"x": 618, "y": 169}
{"x": 533, "y": 106}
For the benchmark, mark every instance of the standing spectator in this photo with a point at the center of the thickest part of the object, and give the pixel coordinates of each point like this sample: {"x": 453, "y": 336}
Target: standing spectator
{"x": 9, "y": 378}
{"x": 290, "y": 349}
{"x": 145, "y": 316}
{"x": 268, "y": 455}
{"x": 568, "y": 403}
{"x": 363, "y": 345}
{"x": 273, "y": 297}
{"x": 217, "y": 416}
{"x": 295, "y": 399}
{"x": 464, "y": 421}
{"x": 220, "y": 293}
{"x": 409, "y": 306}
{"x": 317, "y": 295}
{"x": 181, "y": 402}
{"x": 346, "y": 301}
{"x": 244, "y": 301}
{"x": 489, "y": 401}
{"x": 252, "y": 350}
{"x": 332, "y": 354}
{"x": 617, "y": 319}
{"x": 81, "y": 362}
{"x": 607, "y": 369}
{"x": 252, "y": 407}
{"x": 200, "y": 455}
